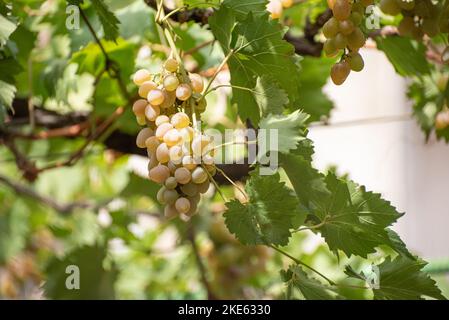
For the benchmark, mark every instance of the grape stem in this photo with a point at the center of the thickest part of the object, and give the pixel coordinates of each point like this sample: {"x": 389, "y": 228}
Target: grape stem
{"x": 297, "y": 261}
{"x": 232, "y": 182}
{"x": 220, "y": 67}
{"x": 215, "y": 184}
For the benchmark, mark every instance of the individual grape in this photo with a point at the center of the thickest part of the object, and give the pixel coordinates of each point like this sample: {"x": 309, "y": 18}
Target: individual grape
{"x": 176, "y": 154}
{"x": 199, "y": 175}
{"x": 141, "y": 76}
{"x": 356, "y": 40}
{"x": 208, "y": 159}
{"x": 355, "y": 61}
{"x": 211, "y": 169}
{"x": 161, "y": 119}
{"x": 189, "y": 163}
{"x": 197, "y": 82}
{"x": 356, "y": 18}
{"x": 203, "y": 187}
{"x": 406, "y": 26}
{"x": 172, "y": 167}
{"x": 171, "y": 82}
{"x": 182, "y": 205}
{"x": 139, "y": 107}
{"x": 141, "y": 120}
{"x": 162, "y": 130}
{"x": 180, "y": 120}
{"x": 152, "y": 143}
{"x": 330, "y": 4}
{"x": 159, "y": 174}
{"x": 170, "y": 196}
{"x": 187, "y": 134}
{"x": 341, "y": 9}
{"x": 146, "y": 87}
{"x": 442, "y": 120}
{"x": 430, "y": 27}
{"x": 171, "y": 65}
{"x": 142, "y": 136}
{"x": 169, "y": 100}
{"x": 153, "y": 161}
{"x": 160, "y": 195}
{"x": 390, "y": 7}
{"x": 275, "y": 9}
{"x": 406, "y": 4}
{"x": 190, "y": 189}
{"x": 331, "y": 28}
{"x": 171, "y": 183}
{"x": 193, "y": 208}
{"x": 340, "y": 41}
{"x": 329, "y": 48}
{"x": 183, "y": 92}
{"x": 172, "y": 137}
{"x": 346, "y": 27}
{"x": 152, "y": 112}
{"x": 162, "y": 153}
{"x": 201, "y": 145}
{"x": 340, "y": 72}
{"x": 287, "y": 3}
{"x": 156, "y": 97}
{"x": 170, "y": 211}
{"x": 183, "y": 175}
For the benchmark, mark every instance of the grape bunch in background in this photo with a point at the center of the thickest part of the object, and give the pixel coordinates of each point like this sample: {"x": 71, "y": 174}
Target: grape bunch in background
{"x": 276, "y": 7}
{"x": 343, "y": 32}
{"x": 181, "y": 156}
{"x": 420, "y": 18}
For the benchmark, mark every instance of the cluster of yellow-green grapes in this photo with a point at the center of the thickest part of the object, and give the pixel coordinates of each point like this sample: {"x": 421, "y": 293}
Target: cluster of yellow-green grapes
{"x": 419, "y": 18}
{"x": 276, "y": 7}
{"x": 181, "y": 157}
{"x": 343, "y": 33}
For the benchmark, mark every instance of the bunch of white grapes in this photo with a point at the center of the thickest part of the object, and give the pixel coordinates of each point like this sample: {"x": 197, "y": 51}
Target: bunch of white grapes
{"x": 181, "y": 157}
{"x": 343, "y": 32}
{"x": 276, "y": 7}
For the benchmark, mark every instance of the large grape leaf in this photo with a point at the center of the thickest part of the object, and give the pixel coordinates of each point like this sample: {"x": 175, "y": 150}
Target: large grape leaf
{"x": 290, "y": 129}
{"x": 310, "y": 288}
{"x": 407, "y": 59}
{"x": 401, "y": 279}
{"x": 267, "y": 217}
{"x": 242, "y": 8}
{"x": 257, "y": 49}
{"x": 107, "y": 18}
{"x": 351, "y": 219}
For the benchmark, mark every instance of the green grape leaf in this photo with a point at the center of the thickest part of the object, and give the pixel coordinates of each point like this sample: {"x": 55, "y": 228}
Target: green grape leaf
{"x": 310, "y": 288}
{"x": 267, "y": 217}
{"x": 313, "y": 77}
{"x": 258, "y": 50}
{"x": 7, "y": 27}
{"x": 241, "y": 8}
{"x": 7, "y": 93}
{"x": 401, "y": 279}
{"x": 107, "y": 18}
{"x": 407, "y": 59}
{"x": 10, "y": 68}
{"x": 351, "y": 219}
{"x": 95, "y": 282}
{"x": 398, "y": 245}
{"x": 269, "y": 96}
{"x": 290, "y": 129}
{"x": 201, "y": 3}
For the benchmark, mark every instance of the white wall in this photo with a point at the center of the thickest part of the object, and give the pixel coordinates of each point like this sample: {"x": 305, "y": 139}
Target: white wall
{"x": 389, "y": 156}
